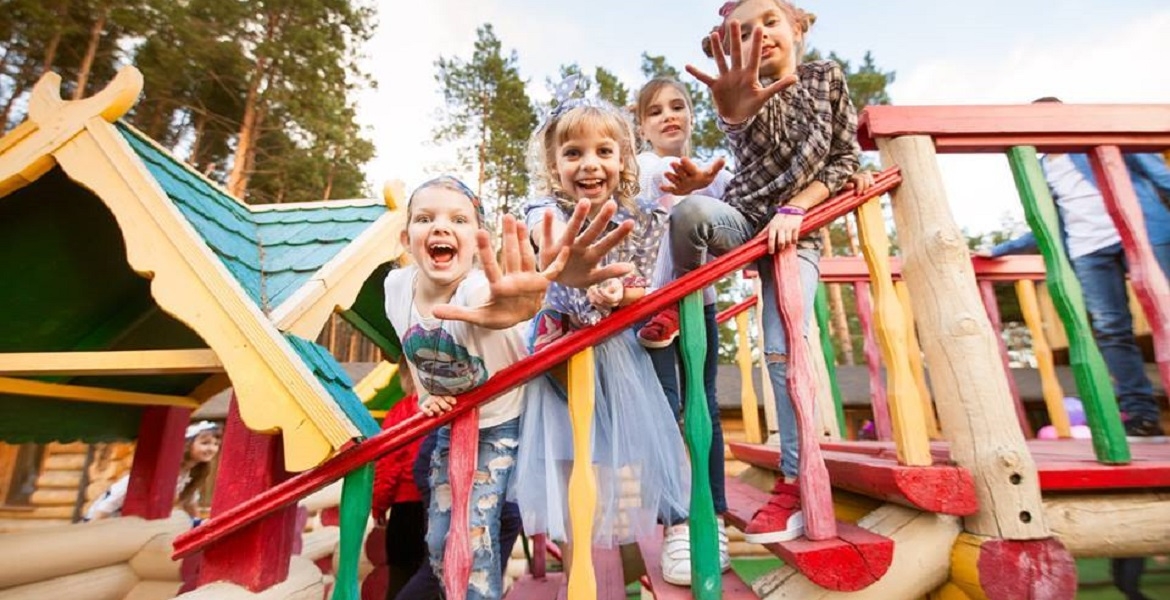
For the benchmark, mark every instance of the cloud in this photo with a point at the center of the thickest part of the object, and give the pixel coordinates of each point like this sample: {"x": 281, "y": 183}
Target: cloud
{"x": 1123, "y": 65}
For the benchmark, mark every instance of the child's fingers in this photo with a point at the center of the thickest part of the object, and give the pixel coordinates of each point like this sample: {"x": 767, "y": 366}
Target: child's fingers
{"x": 610, "y": 271}
{"x": 452, "y": 312}
{"x": 734, "y": 32}
{"x": 754, "y": 51}
{"x": 511, "y": 247}
{"x": 613, "y": 238}
{"x": 573, "y": 226}
{"x": 553, "y": 270}
{"x": 774, "y": 88}
{"x": 598, "y": 225}
{"x": 527, "y": 256}
{"x": 487, "y": 256}
{"x": 717, "y": 52}
{"x": 703, "y": 78}
{"x": 716, "y": 167}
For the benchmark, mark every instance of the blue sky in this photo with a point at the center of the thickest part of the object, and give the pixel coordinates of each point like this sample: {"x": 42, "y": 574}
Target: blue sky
{"x": 988, "y": 52}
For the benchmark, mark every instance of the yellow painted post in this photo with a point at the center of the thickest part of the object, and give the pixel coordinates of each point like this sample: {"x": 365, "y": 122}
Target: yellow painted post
{"x": 582, "y": 483}
{"x": 748, "y": 402}
{"x": 915, "y": 355}
{"x": 1049, "y": 384}
{"x": 889, "y": 322}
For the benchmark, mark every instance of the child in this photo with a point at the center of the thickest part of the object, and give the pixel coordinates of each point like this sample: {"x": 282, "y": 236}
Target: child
{"x": 202, "y": 444}
{"x": 665, "y": 115}
{"x": 792, "y": 131}
{"x": 584, "y": 152}
{"x": 449, "y": 357}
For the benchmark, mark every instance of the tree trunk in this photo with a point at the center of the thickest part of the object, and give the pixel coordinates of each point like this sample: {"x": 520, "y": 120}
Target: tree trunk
{"x": 20, "y": 84}
{"x": 245, "y": 153}
{"x": 95, "y": 37}
{"x": 483, "y": 135}
{"x": 200, "y": 126}
{"x": 838, "y": 322}
{"x": 329, "y": 176}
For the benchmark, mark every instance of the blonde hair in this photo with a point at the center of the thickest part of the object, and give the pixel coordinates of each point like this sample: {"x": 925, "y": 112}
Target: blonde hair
{"x": 651, "y": 90}
{"x": 801, "y": 21}
{"x": 570, "y": 122}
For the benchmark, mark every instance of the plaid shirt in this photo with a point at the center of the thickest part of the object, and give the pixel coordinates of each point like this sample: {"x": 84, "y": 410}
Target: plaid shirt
{"x": 640, "y": 247}
{"x": 806, "y": 133}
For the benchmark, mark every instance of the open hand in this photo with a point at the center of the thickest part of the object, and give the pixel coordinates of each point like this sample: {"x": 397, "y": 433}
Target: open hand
{"x": 783, "y": 229}
{"x": 686, "y": 177}
{"x": 586, "y": 248}
{"x": 434, "y": 406}
{"x": 516, "y": 291}
{"x": 607, "y": 294}
{"x": 860, "y": 181}
{"x": 736, "y": 89}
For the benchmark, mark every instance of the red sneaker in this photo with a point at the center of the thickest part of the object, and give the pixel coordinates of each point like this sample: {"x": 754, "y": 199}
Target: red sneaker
{"x": 780, "y": 520}
{"x": 661, "y": 330}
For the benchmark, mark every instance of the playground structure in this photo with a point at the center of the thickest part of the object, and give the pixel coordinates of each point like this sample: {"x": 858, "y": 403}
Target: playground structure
{"x": 953, "y": 505}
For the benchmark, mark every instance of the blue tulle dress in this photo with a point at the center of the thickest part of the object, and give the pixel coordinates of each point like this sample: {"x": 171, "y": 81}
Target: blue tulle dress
{"x": 639, "y": 461}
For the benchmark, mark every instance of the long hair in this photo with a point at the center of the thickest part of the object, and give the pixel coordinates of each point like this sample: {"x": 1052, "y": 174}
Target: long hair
{"x": 650, "y": 91}
{"x": 801, "y": 20}
{"x": 199, "y": 473}
{"x": 566, "y": 124}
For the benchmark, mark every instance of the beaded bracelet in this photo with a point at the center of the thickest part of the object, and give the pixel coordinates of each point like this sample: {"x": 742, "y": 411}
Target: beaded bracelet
{"x": 790, "y": 210}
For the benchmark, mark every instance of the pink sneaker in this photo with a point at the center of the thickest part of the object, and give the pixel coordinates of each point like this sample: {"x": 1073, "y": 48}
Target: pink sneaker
{"x": 661, "y": 331}
{"x": 780, "y": 520}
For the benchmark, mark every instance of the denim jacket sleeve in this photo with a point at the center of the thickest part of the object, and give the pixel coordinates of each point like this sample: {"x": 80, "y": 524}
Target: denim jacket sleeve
{"x": 1024, "y": 244}
{"x": 1153, "y": 168}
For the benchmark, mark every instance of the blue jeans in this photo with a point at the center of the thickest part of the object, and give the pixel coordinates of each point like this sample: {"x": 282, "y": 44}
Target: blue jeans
{"x": 666, "y": 361}
{"x": 494, "y": 464}
{"x": 700, "y": 225}
{"x": 1102, "y": 277}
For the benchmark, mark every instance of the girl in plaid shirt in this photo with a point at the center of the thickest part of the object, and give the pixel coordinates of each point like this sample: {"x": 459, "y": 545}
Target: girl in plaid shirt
{"x": 792, "y": 130}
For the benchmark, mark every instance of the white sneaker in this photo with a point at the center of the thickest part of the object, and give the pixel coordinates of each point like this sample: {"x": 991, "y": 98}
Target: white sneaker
{"x": 676, "y": 555}
{"x": 724, "y": 553}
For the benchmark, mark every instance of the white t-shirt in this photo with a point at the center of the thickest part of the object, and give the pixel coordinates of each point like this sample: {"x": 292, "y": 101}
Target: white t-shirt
{"x": 651, "y": 177}
{"x": 1087, "y": 225}
{"x": 110, "y": 503}
{"x": 448, "y": 358}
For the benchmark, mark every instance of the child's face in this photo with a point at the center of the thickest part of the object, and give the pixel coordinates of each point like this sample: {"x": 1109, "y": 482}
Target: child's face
{"x": 778, "y": 50}
{"x": 589, "y": 165}
{"x": 440, "y": 236}
{"x": 204, "y": 447}
{"x": 666, "y": 122}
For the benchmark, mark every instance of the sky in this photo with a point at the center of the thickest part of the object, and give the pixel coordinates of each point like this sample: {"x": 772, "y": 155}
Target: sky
{"x": 988, "y": 52}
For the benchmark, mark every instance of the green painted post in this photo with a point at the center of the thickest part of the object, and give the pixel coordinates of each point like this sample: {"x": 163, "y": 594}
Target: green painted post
{"x": 822, "y": 308}
{"x": 706, "y": 579}
{"x": 356, "y": 494}
{"x": 1092, "y": 377}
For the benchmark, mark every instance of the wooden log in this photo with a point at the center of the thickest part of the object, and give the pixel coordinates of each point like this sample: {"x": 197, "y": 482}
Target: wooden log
{"x": 1050, "y": 386}
{"x": 582, "y": 482}
{"x": 998, "y": 569}
{"x": 60, "y": 479}
{"x": 53, "y": 498}
{"x": 66, "y": 448}
{"x": 879, "y": 403}
{"x": 920, "y": 562}
{"x": 907, "y": 419}
{"x": 304, "y": 582}
{"x": 1053, "y": 326}
{"x": 973, "y": 400}
{"x": 65, "y": 462}
{"x": 153, "y": 561}
{"x": 320, "y": 543}
{"x": 154, "y": 590}
{"x": 45, "y": 554}
{"x": 1145, "y": 274}
{"x": 1113, "y": 525}
{"x": 106, "y": 583}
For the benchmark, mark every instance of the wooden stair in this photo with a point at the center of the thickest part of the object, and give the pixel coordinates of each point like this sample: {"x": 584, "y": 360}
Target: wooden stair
{"x": 733, "y": 588}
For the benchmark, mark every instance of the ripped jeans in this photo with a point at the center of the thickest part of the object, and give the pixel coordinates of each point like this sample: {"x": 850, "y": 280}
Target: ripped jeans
{"x": 494, "y": 464}
{"x": 700, "y": 226}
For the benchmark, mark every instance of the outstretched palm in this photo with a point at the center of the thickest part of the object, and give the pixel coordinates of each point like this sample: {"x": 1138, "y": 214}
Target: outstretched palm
{"x": 586, "y": 247}
{"x": 515, "y": 291}
{"x": 736, "y": 89}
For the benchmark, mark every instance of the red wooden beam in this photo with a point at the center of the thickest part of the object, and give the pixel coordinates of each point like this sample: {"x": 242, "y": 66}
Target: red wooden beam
{"x": 732, "y": 311}
{"x": 158, "y": 457}
{"x": 559, "y": 351}
{"x": 1049, "y": 127}
{"x": 941, "y": 488}
{"x": 850, "y": 269}
{"x": 852, "y": 561}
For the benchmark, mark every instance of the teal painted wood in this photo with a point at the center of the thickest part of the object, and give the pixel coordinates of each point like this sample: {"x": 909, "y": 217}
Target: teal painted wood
{"x": 822, "y": 308}
{"x": 336, "y": 382}
{"x": 356, "y": 494}
{"x": 706, "y": 578}
{"x": 1089, "y": 371}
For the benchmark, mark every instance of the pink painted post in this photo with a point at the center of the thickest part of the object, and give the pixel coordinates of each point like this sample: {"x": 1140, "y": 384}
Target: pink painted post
{"x": 991, "y": 305}
{"x": 257, "y": 556}
{"x": 1149, "y": 283}
{"x": 879, "y": 402}
{"x": 158, "y": 456}
{"x": 460, "y": 472}
{"x": 815, "y": 491}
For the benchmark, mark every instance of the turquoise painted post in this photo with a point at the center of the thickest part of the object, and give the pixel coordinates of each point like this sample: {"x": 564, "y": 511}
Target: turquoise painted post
{"x": 706, "y": 580}
{"x": 822, "y": 308}
{"x": 1092, "y": 377}
{"x": 356, "y": 495}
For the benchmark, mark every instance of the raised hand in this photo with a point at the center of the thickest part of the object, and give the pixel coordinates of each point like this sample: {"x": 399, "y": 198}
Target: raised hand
{"x": 736, "y": 89}
{"x": 860, "y": 181}
{"x": 516, "y": 291}
{"x": 586, "y": 248}
{"x": 686, "y": 177}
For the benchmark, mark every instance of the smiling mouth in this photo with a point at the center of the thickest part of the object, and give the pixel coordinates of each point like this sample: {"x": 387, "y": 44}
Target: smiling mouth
{"x": 591, "y": 186}
{"x": 441, "y": 253}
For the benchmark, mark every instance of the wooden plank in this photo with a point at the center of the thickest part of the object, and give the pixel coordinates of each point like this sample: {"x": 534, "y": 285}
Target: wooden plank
{"x": 914, "y": 354}
{"x": 879, "y": 402}
{"x": 1145, "y": 274}
{"x": 534, "y": 588}
{"x": 388, "y": 440}
{"x": 158, "y": 457}
{"x": 850, "y": 269}
{"x": 968, "y": 381}
{"x": 733, "y": 587}
{"x": 1049, "y": 384}
{"x": 461, "y": 471}
{"x": 1087, "y": 475}
{"x": 582, "y": 482}
{"x": 852, "y": 561}
{"x": 939, "y": 488}
{"x": 991, "y": 305}
{"x": 1050, "y": 127}
{"x": 748, "y": 402}
{"x": 127, "y": 362}
{"x": 82, "y": 393}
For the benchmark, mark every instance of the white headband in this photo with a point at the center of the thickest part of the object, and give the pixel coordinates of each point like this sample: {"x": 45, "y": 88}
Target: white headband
{"x": 195, "y": 429}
